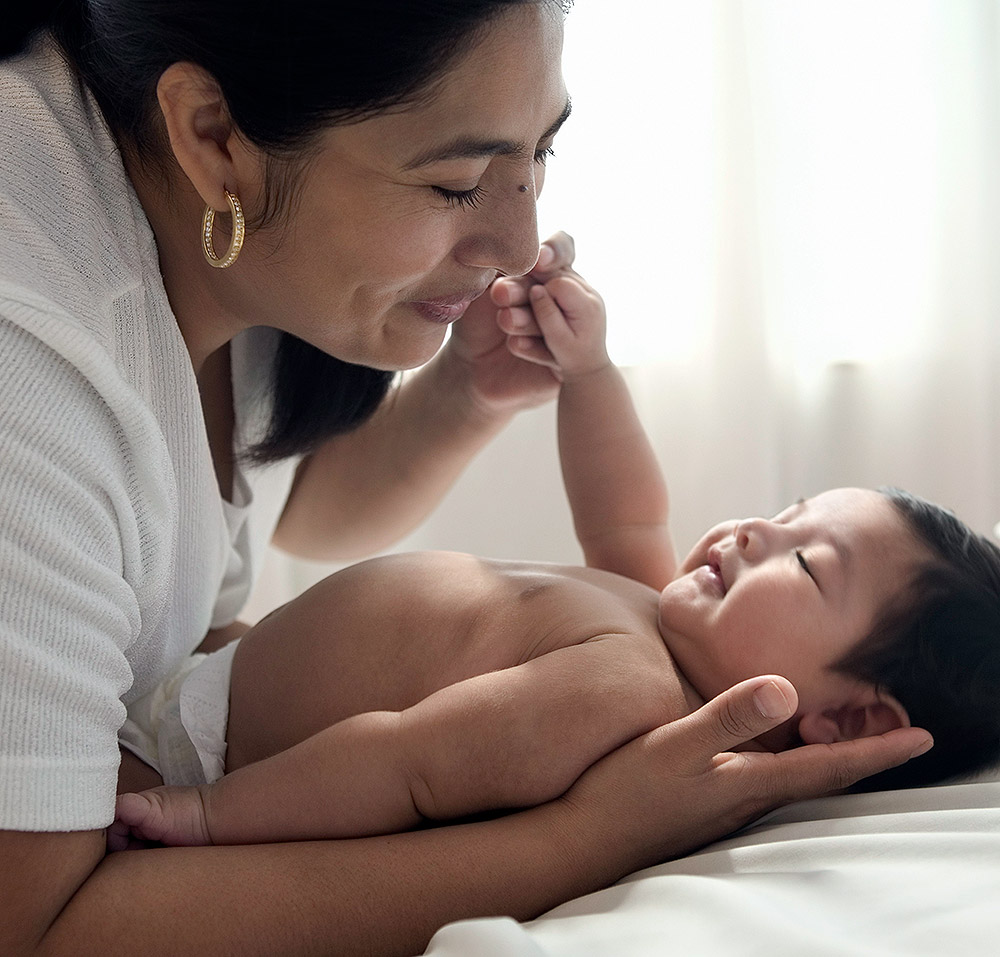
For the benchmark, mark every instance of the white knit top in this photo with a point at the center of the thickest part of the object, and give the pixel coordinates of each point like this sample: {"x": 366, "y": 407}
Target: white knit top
{"x": 117, "y": 553}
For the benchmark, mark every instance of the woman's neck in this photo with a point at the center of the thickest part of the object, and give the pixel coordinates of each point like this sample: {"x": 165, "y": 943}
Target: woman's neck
{"x": 196, "y": 291}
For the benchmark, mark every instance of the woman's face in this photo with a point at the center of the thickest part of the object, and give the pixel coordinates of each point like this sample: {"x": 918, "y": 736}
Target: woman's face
{"x": 403, "y": 219}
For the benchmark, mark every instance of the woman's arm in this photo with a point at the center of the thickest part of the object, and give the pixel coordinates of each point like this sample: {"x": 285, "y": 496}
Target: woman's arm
{"x": 364, "y": 490}
{"x": 657, "y": 797}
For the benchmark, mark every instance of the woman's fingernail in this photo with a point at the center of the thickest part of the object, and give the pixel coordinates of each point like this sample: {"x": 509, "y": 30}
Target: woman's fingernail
{"x": 771, "y": 702}
{"x": 546, "y": 256}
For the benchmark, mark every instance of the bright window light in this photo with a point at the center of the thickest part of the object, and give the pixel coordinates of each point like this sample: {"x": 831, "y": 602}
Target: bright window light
{"x": 632, "y": 178}
{"x": 779, "y": 145}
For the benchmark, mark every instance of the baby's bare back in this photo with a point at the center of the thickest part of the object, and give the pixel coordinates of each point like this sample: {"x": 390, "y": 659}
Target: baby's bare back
{"x": 386, "y": 633}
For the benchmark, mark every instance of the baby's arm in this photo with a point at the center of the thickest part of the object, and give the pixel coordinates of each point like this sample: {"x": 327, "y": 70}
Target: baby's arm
{"x": 349, "y": 780}
{"x": 507, "y": 739}
{"x": 613, "y": 479}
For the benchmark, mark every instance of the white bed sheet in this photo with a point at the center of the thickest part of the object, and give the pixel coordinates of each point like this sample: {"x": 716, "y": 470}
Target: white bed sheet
{"x": 912, "y": 872}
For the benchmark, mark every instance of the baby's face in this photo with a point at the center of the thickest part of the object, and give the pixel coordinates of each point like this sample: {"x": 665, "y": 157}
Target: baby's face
{"x": 788, "y": 595}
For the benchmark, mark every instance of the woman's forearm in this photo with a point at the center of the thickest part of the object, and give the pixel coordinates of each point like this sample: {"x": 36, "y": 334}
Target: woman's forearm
{"x": 661, "y": 795}
{"x": 365, "y": 490}
{"x": 370, "y": 896}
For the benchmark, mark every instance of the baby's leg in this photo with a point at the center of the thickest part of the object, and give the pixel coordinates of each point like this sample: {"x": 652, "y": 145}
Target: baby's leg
{"x": 169, "y": 815}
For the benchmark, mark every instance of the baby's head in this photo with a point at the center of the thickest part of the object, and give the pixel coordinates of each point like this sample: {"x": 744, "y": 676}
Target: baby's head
{"x": 938, "y": 650}
{"x": 882, "y": 609}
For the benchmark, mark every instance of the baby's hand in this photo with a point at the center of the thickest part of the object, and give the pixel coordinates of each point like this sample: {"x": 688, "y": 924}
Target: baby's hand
{"x": 169, "y": 815}
{"x": 562, "y": 327}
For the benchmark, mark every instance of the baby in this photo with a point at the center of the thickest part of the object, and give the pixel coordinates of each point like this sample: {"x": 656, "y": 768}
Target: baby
{"x": 431, "y": 686}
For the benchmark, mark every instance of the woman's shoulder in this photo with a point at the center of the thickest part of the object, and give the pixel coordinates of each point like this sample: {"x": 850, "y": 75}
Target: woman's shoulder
{"x": 78, "y": 264}
{"x": 73, "y": 233}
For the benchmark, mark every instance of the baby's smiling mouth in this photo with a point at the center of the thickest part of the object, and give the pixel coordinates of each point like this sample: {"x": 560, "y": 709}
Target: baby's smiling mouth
{"x": 715, "y": 567}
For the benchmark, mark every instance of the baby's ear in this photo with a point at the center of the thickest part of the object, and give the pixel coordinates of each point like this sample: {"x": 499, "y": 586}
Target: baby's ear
{"x": 856, "y": 720}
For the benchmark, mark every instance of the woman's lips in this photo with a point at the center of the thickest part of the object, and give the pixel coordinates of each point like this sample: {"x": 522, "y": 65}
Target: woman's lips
{"x": 446, "y": 309}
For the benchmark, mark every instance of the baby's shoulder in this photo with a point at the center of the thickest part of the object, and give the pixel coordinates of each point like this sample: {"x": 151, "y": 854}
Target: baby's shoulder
{"x": 563, "y": 605}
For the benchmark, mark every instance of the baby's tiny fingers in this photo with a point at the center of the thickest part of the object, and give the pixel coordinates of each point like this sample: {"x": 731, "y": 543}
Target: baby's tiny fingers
{"x": 573, "y": 295}
{"x": 518, "y": 321}
{"x": 548, "y": 315}
{"x": 119, "y": 837}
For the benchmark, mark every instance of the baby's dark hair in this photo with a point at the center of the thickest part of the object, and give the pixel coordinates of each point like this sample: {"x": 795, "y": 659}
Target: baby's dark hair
{"x": 938, "y": 650}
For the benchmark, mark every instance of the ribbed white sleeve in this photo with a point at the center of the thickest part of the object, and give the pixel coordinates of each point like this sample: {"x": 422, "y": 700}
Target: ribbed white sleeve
{"x": 70, "y": 545}
{"x": 117, "y": 553}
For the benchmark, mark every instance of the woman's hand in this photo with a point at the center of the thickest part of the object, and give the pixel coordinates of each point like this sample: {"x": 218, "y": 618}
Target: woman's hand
{"x": 498, "y": 379}
{"x": 680, "y": 786}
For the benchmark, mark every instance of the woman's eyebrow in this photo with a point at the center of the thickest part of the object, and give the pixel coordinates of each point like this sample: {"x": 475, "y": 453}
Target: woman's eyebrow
{"x": 467, "y": 147}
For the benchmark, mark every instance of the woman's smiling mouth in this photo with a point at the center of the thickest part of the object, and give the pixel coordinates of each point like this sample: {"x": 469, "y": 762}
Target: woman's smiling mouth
{"x": 446, "y": 308}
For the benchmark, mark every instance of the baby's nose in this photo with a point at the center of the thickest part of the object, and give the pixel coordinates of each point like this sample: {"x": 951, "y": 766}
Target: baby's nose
{"x": 749, "y": 533}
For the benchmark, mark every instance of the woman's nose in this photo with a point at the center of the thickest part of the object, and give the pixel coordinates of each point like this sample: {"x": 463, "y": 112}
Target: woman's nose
{"x": 504, "y": 235}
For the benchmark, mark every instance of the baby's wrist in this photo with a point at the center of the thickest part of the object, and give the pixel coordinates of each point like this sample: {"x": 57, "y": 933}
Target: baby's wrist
{"x": 598, "y": 368}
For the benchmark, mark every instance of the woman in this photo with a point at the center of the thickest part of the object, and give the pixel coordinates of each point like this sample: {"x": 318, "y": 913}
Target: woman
{"x": 224, "y": 226}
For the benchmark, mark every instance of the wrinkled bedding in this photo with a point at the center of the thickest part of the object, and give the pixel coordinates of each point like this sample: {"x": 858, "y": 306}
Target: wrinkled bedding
{"x": 895, "y": 872}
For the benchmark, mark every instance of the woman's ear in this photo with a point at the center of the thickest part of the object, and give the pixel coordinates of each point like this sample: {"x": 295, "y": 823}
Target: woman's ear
{"x": 860, "y": 719}
{"x": 201, "y": 133}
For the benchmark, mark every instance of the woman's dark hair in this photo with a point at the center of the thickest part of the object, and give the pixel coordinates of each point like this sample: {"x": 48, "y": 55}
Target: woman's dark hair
{"x": 937, "y": 651}
{"x": 287, "y": 70}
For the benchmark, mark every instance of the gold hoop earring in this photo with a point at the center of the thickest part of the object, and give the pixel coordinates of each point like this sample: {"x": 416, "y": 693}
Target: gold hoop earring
{"x": 235, "y": 244}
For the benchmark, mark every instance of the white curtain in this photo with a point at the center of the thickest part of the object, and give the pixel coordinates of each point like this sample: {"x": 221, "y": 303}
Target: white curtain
{"x": 792, "y": 209}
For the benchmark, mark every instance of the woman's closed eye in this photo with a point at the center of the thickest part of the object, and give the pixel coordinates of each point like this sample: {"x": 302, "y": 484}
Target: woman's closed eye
{"x": 469, "y": 198}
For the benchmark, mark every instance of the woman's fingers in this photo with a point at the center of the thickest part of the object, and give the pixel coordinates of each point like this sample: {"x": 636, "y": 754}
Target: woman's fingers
{"x": 757, "y": 705}
{"x": 555, "y": 257}
{"x": 818, "y": 769}
{"x": 518, "y": 321}
{"x": 770, "y": 780}
{"x": 681, "y": 785}
{"x": 738, "y": 715}
{"x": 533, "y": 350}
